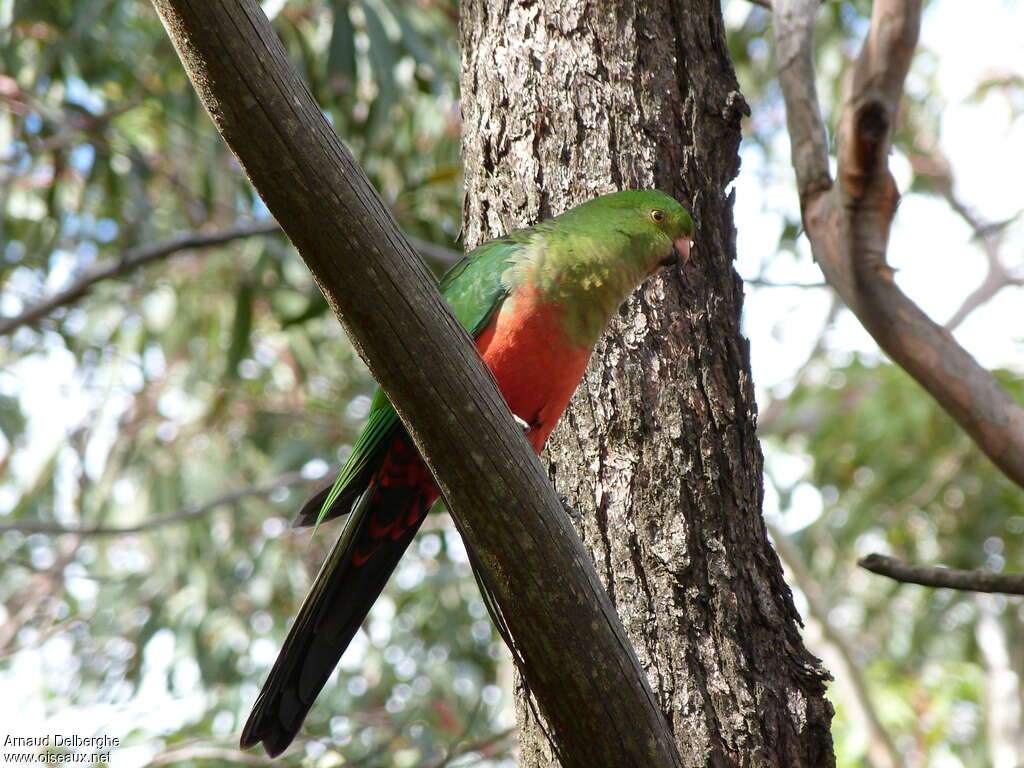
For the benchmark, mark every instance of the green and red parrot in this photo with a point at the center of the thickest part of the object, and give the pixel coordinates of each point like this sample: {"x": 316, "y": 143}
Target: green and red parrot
{"x": 535, "y": 302}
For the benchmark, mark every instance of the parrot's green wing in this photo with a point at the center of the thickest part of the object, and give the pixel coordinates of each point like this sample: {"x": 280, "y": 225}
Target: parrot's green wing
{"x": 474, "y": 290}
{"x": 474, "y": 287}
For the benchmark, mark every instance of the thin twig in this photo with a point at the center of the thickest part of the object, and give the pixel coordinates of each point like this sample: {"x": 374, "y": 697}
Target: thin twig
{"x": 996, "y": 279}
{"x": 438, "y": 254}
{"x": 29, "y": 526}
{"x": 948, "y": 578}
{"x": 935, "y": 167}
{"x": 486, "y": 745}
{"x": 758, "y": 282}
{"x": 135, "y": 258}
{"x": 130, "y": 261}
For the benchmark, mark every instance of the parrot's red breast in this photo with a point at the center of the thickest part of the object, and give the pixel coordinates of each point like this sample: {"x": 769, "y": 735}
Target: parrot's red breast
{"x": 536, "y": 365}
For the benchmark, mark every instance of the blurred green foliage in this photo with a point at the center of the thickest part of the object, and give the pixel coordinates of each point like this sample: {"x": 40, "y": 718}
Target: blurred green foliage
{"x": 898, "y": 476}
{"x": 219, "y": 371}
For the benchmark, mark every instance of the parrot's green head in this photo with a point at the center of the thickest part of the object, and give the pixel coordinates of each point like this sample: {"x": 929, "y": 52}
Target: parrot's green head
{"x": 590, "y": 258}
{"x": 655, "y": 228}
{"x": 633, "y": 233}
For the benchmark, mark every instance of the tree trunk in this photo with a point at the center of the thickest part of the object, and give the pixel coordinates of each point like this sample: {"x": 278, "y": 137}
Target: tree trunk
{"x": 566, "y": 99}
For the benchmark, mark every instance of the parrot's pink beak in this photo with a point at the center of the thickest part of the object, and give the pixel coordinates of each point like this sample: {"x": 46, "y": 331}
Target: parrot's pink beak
{"x": 680, "y": 254}
{"x": 682, "y": 247}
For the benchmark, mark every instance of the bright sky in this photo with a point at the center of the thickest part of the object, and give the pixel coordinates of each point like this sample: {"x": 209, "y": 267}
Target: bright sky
{"x": 937, "y": 263}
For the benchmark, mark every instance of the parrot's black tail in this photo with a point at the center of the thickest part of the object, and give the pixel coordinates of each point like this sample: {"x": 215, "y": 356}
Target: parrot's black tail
{"x": 382, "y": 524}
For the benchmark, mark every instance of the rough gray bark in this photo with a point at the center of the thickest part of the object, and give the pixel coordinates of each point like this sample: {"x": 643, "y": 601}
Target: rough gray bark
{"x": 565, "y": 99}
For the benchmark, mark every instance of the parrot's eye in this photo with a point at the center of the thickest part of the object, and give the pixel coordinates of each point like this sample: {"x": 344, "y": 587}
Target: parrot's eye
{"x": 658, "y": 215}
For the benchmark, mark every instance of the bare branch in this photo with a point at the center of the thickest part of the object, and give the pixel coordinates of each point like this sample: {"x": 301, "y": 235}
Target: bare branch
{"x": 761, "y": 283}
{"x": 130, "y": 261}
{"x": 848, "y": 226}
{"x": 948, "y": 578}
{"x": 135, "y": 258}
{"x": 284, "y": 481}
{"x": 438, "y": 254}
{"x": 794, "y": 40}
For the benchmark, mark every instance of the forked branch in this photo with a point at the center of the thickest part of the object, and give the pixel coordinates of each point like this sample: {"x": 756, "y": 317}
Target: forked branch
{"x": 848, "y": 222}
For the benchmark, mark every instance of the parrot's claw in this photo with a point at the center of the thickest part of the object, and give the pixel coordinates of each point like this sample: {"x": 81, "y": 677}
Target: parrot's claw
{"x": 522, "y": 425}
{"x": 570, "y": 510}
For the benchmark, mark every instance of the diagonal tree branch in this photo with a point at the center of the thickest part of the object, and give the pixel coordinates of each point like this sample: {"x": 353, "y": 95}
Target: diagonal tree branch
{"x": 601, "y": 707}
{"x": 30, "y": 526}
{"x": 136, "y": 258}
{"x": 848, "y": 223}
{"x": 949, "y": 578}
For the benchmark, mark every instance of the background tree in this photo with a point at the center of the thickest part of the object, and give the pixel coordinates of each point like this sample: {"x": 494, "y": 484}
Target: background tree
{"x": 112, "y": 415}
{"x": 915, "y": 445}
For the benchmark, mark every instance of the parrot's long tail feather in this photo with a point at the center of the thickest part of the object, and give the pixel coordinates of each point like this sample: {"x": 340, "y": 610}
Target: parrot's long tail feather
{"x": 311, "y": 508}
{"x": 310, "y": 512}
{"x": 382, "y": 525}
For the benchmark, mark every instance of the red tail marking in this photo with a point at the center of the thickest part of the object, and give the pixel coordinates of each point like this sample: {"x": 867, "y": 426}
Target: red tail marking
{"x": 359, "y": 559}
{"x": 377, "y": 531}
{"x": 402, "y": 468}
